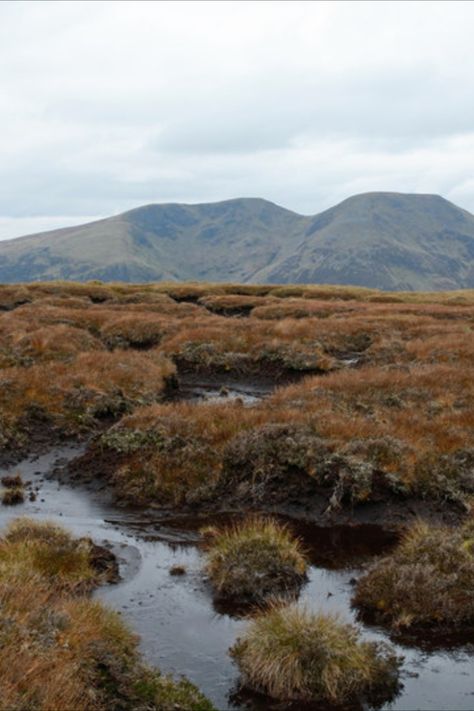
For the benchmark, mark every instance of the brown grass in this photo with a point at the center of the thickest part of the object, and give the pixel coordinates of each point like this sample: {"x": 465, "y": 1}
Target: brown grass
{"x": 388, "y": 413}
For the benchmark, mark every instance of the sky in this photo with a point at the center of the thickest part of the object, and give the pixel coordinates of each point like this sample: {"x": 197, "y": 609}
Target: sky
{"x": 105, "y": 106}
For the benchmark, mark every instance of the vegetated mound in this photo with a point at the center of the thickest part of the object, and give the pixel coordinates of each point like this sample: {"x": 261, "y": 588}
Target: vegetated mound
{"x": 62, "y": 650}
{"x": 427, "y": 582}
{"x": 383, "y": 240}
{"x": 292, "y": 654}
{"x": 250, "y": 561}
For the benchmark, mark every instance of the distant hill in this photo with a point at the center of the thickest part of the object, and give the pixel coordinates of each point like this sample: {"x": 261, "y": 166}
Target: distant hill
{"x": 385, "y": 240}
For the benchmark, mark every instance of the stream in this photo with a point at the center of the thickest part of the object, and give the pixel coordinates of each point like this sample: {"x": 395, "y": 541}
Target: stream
{"x": 180, "y": 628}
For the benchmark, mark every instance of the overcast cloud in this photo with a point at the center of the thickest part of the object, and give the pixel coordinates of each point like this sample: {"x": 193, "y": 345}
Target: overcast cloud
{"x": 105, "y": 106}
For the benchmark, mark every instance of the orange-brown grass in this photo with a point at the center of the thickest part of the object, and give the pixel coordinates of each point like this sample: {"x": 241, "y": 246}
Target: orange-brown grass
{"x": 233, "y": 304}
{"x": 94, "y": 385}
{"x": 58, "y": 342}
{"x": 169, "y": 454}
{"x": 246, "y": 345}
{"x": 61, "y": 650}
{"x": 349, "y": 433}
{"x": 137, "y": 330}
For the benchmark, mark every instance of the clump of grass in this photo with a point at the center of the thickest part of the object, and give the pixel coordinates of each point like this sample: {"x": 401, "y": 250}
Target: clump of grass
{"x": 12, "y": 481}
{"x": 14, "y": 492}
{"x": 13, "y": 496}
{"x": 426, "y": 582}
{"x": 140, "y": 331}
{"x": 249, "y": 561}
{"x": 177, "y": 570}
{"x": 292, "y": 654}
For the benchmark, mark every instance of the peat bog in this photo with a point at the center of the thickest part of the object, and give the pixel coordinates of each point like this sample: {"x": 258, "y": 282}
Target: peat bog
{"x": 347, "y": 414}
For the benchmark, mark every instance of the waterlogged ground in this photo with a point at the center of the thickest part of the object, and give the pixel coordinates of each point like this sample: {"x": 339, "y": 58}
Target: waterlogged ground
{"x": 182, "y": 631}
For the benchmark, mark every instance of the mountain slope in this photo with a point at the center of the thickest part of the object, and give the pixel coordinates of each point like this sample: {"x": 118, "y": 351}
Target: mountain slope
{"x": 385, "y": 240}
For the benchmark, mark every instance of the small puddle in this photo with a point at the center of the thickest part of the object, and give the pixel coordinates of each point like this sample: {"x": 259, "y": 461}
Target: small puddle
{"x": 180, "y": 628}
{"x": 197, "y": 388}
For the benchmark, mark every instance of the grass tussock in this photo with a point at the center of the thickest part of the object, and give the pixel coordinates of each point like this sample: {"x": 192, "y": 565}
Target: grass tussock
{"x": 426, "y": 582}
{"x": 292, "y": 654}
{"x": 61, "y": 650}
{"x": 252, "y": 560}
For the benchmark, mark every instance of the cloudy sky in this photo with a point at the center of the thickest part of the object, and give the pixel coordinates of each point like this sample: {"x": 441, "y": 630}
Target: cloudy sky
{"x": 105, "y": 106}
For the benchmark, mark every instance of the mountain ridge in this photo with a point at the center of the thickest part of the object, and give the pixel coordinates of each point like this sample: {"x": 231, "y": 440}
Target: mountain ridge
{"x": 387, "y": 240}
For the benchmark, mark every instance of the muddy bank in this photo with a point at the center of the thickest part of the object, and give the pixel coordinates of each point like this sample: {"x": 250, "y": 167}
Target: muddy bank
{"x": 294, "y": 495}
{"x": 244, "y": 369}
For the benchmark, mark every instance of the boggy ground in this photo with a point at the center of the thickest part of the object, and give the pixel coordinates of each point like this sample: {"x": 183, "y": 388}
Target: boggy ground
{"x": 59, "y": 648}
{"x": 378, "y": 425}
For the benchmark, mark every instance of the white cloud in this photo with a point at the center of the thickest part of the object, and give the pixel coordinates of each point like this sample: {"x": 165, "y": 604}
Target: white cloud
{"x": 109, "y": 105}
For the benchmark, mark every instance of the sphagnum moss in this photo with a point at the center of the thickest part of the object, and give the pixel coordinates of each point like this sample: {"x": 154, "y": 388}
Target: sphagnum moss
{"x": 254, "y": 559}
{"x": 292, "y": 654}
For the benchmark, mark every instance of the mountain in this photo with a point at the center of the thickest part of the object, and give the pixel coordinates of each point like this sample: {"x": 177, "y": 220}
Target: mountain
{"x": 385, "y": 240}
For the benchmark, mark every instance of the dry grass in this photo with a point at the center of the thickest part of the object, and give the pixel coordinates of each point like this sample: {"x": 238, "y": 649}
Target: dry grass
{"x": 74, "y": 396}
{"x": 427, "y": 582}
{"x": 250, "y": 561}
{"x": 292, "y": 654}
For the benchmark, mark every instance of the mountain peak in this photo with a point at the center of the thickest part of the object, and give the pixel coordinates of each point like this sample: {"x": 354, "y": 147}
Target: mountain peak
{"x": 387, "y": 240}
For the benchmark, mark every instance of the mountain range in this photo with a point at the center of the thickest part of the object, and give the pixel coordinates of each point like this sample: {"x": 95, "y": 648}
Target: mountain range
{"x": 390, "y": 241}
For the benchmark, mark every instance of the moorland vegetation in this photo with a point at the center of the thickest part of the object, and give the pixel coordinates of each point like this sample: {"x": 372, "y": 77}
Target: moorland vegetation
{"x": 373, "y": 399}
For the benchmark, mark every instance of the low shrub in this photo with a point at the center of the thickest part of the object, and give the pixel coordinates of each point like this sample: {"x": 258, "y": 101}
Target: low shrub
{"x": 249, "y": 561}
{"x": 426, "y": 582}
{"x": 292, "y": 654}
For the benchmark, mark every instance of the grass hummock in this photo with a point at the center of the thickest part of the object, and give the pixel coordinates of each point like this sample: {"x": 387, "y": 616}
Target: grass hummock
{"x": 426, "y": 582}
{"x": 292, "y": 654}
{"x": 250, "y": 561}
{"x": 14, "y": 492}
